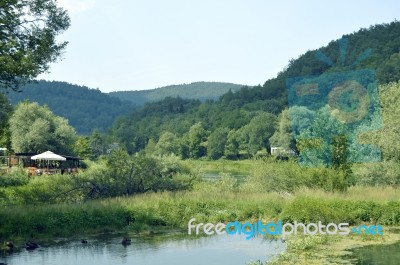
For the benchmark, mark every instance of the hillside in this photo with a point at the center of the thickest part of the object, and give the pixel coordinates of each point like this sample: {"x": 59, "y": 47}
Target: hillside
{"x": 198, "y": 90}
{"x": 377, "y": 47}
{"x": 85, "y": 108}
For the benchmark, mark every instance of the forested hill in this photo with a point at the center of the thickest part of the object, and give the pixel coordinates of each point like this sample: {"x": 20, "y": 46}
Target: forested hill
{"x": 198, "y": 90}
{"x": 376, "y": 47}
{"x": 85, "y": 108}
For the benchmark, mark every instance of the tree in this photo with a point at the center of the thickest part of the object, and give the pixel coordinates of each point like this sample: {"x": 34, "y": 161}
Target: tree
{"x": 36, "y": 129}
{"x": 5, "y": 113}
{"x": 259, "y": 130}
{"x": 184, "y": 146}
{"x": 128, "y": 175}
{"x": 387, "y": 138}
{"x": 28, "y": 31}
{"x": 217, "y": 142}
{"x": 197, "y": 138}
{"x": 232, "y": 145}
{"x": 314, "y": 141}
{"x": 97, "y": 143}
{"x": 283, "y": 136}
{"x": 82, "y": 147}
{"x": 167, "y": 144}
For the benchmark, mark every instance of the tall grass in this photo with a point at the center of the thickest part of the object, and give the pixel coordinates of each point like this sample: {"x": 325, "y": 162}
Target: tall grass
{"x": 168, "y": 209}
{"x": 274, "y": 191}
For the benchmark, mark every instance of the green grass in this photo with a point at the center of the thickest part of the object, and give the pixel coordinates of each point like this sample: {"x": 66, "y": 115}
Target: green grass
{"x": 273, "y": 191}
{"x": 173, "y": 210}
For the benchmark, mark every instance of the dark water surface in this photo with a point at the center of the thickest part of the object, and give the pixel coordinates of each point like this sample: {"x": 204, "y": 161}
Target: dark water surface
{"x": 376, "y": 255}
{"x": 151, "y": 250}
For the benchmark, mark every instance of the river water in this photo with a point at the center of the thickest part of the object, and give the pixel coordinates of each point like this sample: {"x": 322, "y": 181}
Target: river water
{"x": 376, "y": 255}
{"x": 151, "y": 250}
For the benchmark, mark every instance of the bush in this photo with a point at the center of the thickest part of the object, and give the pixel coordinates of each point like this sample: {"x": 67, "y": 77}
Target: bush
{"x": 281, "y": 176}
{"x": 378, "y": 174}
{"x": 16, "y": 177}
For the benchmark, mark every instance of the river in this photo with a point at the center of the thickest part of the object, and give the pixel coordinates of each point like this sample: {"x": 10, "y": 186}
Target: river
{"x": 171, "y": 249}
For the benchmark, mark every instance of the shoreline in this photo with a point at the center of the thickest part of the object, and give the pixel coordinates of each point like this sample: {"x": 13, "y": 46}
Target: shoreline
{"x": 330, "y": 249}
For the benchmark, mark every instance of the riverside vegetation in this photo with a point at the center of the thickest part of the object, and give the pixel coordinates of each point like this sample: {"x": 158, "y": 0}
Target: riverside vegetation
{"x": 99, "y": 200}
{"x": 144, "y": 173}
{"x": 156, "y": 189}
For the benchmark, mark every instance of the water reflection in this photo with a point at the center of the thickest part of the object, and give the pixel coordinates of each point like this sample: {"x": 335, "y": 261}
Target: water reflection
{"x": 165, "y": 250}
{"x": 376, "y": 255}
{"x": 241, "y": 177}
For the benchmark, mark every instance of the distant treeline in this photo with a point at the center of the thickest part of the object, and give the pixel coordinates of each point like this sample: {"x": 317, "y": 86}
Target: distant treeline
{"x": 235, "y": 115}
{"x": 199, "y": 90}
{"x": 86, "y": 109}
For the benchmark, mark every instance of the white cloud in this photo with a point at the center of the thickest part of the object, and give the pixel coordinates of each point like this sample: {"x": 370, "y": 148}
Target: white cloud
{"x": 77, "y": 6}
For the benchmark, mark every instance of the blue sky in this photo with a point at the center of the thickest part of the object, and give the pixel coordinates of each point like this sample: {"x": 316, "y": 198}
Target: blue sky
{"x": 139, "y": 44}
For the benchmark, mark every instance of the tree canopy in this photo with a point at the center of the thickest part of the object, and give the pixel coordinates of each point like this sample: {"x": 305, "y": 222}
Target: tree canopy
{"x": 28, "y": 31}
{"x": 36, "y": 129}
{"x": 5, "y": 113}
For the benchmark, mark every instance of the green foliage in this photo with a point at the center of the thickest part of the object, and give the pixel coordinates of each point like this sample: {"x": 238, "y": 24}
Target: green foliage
{"x": 270, "y": 176}
{"x": 288, "y": 176}
{"x": 118, "y": 175}
{"x": 234, "y": 110}
{"x": 255, "y": 135}
{"x": 198, "y": 90}
{"x": 216, "y": 143}
{"x": 36, "y": 129}
{"x": 134, "y": 131}
{"x": 387, "y": 137}
{"x": 16, "y": 177}
{"x": 97, "y": 144}
{"x": 260, "y": 130}
{"x": 283, "y": 136}
{"x": 197, "y": 137}
{"x": 385, "y": 173}
{"x": 5, "y": 113}
{"x": 167, "y": 144}
{"x": 232, "y": 145}
{"x": 312, "y": 210}
{"x": 82, "y": 147}
{"x": 86, "y": 109}
{"x": 29, "y": 39}
{"x": 122, "y": 174}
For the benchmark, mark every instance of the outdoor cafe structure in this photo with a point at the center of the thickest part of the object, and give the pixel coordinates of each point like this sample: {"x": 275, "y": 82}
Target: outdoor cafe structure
{"x": 45, "y": 163}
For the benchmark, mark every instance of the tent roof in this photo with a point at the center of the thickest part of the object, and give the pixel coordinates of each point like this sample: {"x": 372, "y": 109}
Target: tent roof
{"x": 48, "y": 155}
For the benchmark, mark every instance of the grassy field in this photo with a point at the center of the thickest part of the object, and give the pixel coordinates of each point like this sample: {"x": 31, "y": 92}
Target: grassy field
{"x": 213, "y": 202}
{"x": 273, "y": 191}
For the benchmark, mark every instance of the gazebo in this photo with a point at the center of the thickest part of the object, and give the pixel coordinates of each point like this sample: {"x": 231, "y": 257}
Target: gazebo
{"x": 49, "y": 157}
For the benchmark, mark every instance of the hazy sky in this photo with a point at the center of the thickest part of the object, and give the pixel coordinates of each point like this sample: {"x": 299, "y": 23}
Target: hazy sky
{"x": 144, "y": 44}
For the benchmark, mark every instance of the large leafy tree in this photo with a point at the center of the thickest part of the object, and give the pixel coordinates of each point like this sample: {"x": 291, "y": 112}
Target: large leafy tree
{"x": 387, "y": 137}
{"x": 28, "y": 31}
{"x": 255, "y": 135}
{"x": 36, "y": 129}
{"x": 217, "y": 142}
{"x": 197, "y": 138}
{"x": 5, "y": 113}
{"x": 232, "y": 145}
{"x": 167, "y": 144}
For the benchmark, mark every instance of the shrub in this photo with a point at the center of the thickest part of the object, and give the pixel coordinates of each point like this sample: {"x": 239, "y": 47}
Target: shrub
{"x": 16, "y": 177}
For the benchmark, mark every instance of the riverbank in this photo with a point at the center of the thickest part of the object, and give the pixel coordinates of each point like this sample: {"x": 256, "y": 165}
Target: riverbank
{"x": 219, "y": 201}
{"x": 317, "y": 250}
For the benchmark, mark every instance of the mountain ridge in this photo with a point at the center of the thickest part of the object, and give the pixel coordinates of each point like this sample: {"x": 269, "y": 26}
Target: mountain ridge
{"x": 200, "y": 90}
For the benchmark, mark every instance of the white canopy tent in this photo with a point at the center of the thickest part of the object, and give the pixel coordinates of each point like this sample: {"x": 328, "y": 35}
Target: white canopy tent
{"x": 49, "y": 156}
